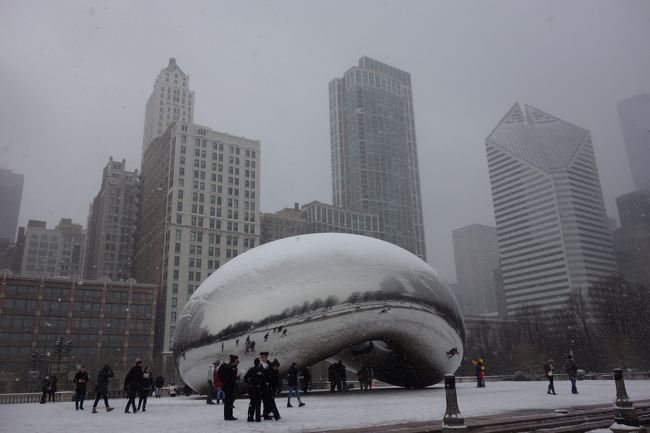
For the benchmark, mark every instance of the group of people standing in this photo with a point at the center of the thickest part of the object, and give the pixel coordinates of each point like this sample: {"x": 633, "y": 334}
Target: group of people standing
{"x": 139, "y": 382}
{"x": 337, "y": 375}
{"x": 263, "y": 382}
{"x": 571, "y": 369}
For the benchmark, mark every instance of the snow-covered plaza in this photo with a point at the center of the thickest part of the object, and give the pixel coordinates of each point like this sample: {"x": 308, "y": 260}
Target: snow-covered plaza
{"x": 323, "y": 411}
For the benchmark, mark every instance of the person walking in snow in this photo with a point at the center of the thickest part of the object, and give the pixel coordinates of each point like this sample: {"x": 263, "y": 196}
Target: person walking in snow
{"x": 51, "y": 395}
{"x": 211, "y": 369}
{"x": 292, "y": 385}
{"x": 132, "y": 385}
{"x": 159, "y": 383}
{"x": 80, "y": 379}
{"x": 45, "y": 389}
{"x": 146, "y": 384}
{"x": 548, "y": 372}
{"x": 479, "y": 371}
{"x": 571, "y": 369}
{"x": 228, "y": 374}
{"x": 101, "y": 389}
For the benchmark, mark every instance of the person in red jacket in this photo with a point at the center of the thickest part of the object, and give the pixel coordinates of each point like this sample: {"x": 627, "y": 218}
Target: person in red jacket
{"x": 218, "y": 383}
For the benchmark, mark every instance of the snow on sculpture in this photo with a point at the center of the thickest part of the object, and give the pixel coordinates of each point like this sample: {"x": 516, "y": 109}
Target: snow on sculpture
{"x": 323, "y": 296}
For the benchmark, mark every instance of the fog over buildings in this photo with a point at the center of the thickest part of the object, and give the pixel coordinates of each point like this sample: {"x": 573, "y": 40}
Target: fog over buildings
{"x": 75, "y": 79}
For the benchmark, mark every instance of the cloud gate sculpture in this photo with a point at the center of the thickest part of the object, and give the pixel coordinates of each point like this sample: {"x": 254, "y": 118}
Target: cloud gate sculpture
{"x": 323, "y": 296}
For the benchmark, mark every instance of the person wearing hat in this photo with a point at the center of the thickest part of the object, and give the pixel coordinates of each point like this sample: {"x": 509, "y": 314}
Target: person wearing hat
{"x": 571, "y": 369}
{"x": 228, "y": 374}
{"x": 271, "y": 389}
{"x": 254, "y": 378}
{"x": 132, "y": 383}
{"x": 266, "y": 393}
{"x": 80, "y": 379}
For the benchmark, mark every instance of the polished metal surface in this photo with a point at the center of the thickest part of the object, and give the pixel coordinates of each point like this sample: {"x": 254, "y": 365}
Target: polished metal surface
{"x": 324, "y": 296}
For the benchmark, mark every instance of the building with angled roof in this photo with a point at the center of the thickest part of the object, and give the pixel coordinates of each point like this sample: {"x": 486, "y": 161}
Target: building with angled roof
{"x": 11, "y": 193}
{"x": 374, "y": 151}
{"x": 552, "y": 228}
{"x": 171, "y": 100}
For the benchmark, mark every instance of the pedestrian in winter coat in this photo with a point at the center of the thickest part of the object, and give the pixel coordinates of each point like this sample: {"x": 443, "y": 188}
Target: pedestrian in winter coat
{"x": 228, "y": 375}
{"x": 292, "y": 385}
{"x": 341, "y": 380}
{"x": 254, "y": 378}
{"x": 571, "y": 369}
{"x": 362, "y": 377}
{"x": 305, "y": 380}
{"x": 80, "y": 379}
{"x": 172, "y": 390}
{"x": 101, "y": 389}
{"x": 45, "y": 389}
{"x": 548, "y": 372}
{"x": 479, "y": 371}
{"x": 159, "y": 383}
{"x": 132, "y": 385}
{"x": 51, "y": 395}
{"x": 269, "y": 388}
{"x": 145, "y": 388}
{"x": 218, "y": 383}
{"x": 211, "y": 369}
{"x": 332, "y": 376}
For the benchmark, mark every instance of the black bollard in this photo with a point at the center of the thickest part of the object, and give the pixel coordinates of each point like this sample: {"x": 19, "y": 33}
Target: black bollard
{"x": 624, "y": 411}
{"x": 453, "y": 421}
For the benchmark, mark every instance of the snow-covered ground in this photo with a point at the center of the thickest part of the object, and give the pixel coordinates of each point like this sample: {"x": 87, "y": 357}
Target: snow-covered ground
{"x": 323, "y": 411}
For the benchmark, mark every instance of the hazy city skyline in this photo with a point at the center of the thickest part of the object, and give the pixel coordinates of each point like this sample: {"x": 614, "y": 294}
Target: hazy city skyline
{"x": 75, "y": 77}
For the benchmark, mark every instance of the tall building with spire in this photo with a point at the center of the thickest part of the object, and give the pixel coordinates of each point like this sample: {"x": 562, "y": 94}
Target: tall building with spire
{"x": 551, "y": 223}
{"x": 171, "y": 100}
{"x": 374, "y": 150}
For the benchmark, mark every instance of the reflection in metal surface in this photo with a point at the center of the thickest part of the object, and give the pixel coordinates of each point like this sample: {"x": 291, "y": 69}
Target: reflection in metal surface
{"x": 324, "y": 296}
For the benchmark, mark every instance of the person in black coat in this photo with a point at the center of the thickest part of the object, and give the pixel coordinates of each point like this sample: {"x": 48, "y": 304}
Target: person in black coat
{"x": 101, "y": 390}
{"x": 305, "y": 380}
{"x": 292, "y": 385}
{"x": 332, "y": 375}
{"x": 254, "y": 378}
{"x": 132, "y": 385}
{"x": 571, "y": 369}
{"x": 45, "y": 389}
{"x": 341, "y": 380}
{"x": 80, "y": 379}
{"x": 51, "y": 395}
{"x": 269, "y": 388}
{"x": 146, "y": 385}
{"x": 228, "y": 374}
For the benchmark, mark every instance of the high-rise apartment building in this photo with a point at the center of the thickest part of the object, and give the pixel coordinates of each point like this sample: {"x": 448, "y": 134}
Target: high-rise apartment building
{"x": 634, "y": 114}
{"x": 325, "y": 218}
{"x": 551, "y": 223}
{"x": 374, "y": 150}
{"x": 112, "y": 224}
{"x": 632, "y": 239}
{"x": 476, "y": 254}
{"x": 53, "y": 252}
{"x": 11, "y": 193}
{"x": 171, "y": 101}
{"x": 200, "y": 208}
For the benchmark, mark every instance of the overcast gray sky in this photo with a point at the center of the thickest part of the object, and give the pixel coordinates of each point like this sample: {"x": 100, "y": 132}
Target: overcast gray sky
{"x": 75, "y": 77}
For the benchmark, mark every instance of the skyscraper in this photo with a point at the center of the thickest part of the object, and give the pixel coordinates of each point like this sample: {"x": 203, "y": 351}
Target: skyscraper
{"x": 11, "y": 193}
{"x": 632, "y": 239}
{"x": 476, "y": 255}
{"x": 171, "y": 100}
{"x": 551, "y": 224}
{"x": 374, "y": 150}
{"x": 634, "y": 114}
{"x": 200, "y": 205}
{"x": 112, "y": 224}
